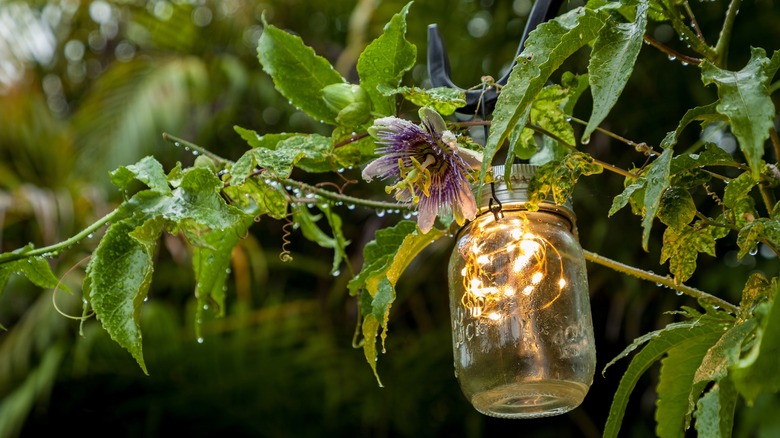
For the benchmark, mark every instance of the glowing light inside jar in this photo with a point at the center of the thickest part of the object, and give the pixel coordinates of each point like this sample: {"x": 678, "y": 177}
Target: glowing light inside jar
{"x": 495, "y": 275}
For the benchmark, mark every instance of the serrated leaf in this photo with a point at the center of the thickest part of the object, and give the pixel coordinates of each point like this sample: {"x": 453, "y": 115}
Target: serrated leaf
{"x": 256, "y": 197}
{"x": 682, "y": 246}
{"x": 658, "y": 181}
{"x": 676, "y": 378}
{"x": 443, "y": 100}
{"x": 267, "y": 141}
{"x": 149, "y": 171}
{"x": 120, "y": 273}
{"x": 706, "y": 113}
{"x": 548, "y": 111}
{"x": 622, "y": 199}
{"x": 298, "y": 73}
{"x": 558, "y": 178}
{"x": 384, "y": 62}
{"x": 677, "y": 208}
{"x": 611, "y": 63}
{"x": 658, "y": 343}
{"x": 722, "y": 355}
{"x": 744, "y": 99}
{"x": 736, "y": 196}
{"x": 36, "y": 269}
{"x": 384, "y": 260}
{"x": 715, "y": 411}
{"x": 757, "y": 290}
{"x": 211, "y": 258}
{"x": 757, "y": 371}
{"x": 711, "y": 156}
{"x": 546, "y": 49}
{"x": 314, "y": 233}
{"x": 759, "y": 230}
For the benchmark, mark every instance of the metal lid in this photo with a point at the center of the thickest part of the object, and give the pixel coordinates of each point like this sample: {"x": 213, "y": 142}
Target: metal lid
{"x": 514, "y": 198}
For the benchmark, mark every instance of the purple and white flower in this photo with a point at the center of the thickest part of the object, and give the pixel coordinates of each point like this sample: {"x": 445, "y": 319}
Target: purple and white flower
{"x": 427, "y": 166}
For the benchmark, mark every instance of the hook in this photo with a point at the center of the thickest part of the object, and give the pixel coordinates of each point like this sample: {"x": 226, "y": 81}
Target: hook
{"x": 485, "y": 98}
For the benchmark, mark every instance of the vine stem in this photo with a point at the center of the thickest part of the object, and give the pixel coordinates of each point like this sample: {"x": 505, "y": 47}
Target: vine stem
{"x": 349, "y": 200}
{"x": 603, "y": 164}
{"x": 199, "y": 149}
{"x": 722, "y": 47}
{"x": 670, "y": 51}
{"x": 658, "y": 279}
{"x": 55, "y": 249}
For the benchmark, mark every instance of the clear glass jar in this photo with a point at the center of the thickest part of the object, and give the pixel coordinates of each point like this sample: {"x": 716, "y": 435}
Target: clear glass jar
{"x": 522, "y": 331}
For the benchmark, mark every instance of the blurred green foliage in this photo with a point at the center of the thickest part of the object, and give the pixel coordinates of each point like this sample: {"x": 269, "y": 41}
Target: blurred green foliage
{"x": 89, "y": 86}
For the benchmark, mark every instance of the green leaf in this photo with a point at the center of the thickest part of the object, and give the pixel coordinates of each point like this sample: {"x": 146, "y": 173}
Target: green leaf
{"x": 761, "y": 229}
{"x": 298, "y": 73}
{"x": 36, "y": 269}
{"x": 711, "y": 156}
{"x": 385, "y": 61}
{"x": 622, "y": 199}
{"x": 611, "y": 63}
{"x": 677, "y": 208}
{"x": 558, "y": 178}
{"x": 744, "y": 99}
{"x": 311, "y": 231}
{"x": 676, "y": 378}
{"x": 756, "y": 291}
{"x": 682, "y": 246}
{"x": 546, "y": 49}
{"x": 149, "y": 171}
{"x": 211, "y": 262}
{"x": 267, "y": 141}
{"x": 443, "y": 100}
{"x": 715, "y": 411}
{"x": 757, "y": 371}
{"x": 736, "y": 196}
{"x": 120, "y": 273}
{"x": 384, "y": 260}
{"x": 657, "y": 182}
{"x": 549, "y": 111}
{"x": 256, "y": 197}
{"x": 658, "y": 343}
{"x": 720, "y": 357}
{"x": 706, "y": 113}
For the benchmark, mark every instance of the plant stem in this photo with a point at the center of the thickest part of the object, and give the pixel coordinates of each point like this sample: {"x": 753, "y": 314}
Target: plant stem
{"x": 657, "y": 279}
{"x": 694, "y": 23}
{"x": 638, "y": 146}
{"x": 603, "y": 164}
{"x": 775, "y": 142}
{"x": 53, "y": 250}
{"x": 670, "y": 51}
{"x": 722, "y": 47}
{"x": 696, "y": 43}
{"x": 349, "y": 200}
{"x": 199, "y": 149}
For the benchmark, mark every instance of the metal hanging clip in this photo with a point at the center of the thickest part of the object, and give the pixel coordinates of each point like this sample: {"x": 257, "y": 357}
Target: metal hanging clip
{"x": 481, "y": 100}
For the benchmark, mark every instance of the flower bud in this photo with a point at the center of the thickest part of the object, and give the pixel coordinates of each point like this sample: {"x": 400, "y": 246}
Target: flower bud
{"x": 349, "y": 101}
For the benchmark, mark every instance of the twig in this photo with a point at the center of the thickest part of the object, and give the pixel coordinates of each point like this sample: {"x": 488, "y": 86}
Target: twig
{"x": 199, "y": 149}
{"x": 657, "y": 279}
{"x": 671, "y": 52}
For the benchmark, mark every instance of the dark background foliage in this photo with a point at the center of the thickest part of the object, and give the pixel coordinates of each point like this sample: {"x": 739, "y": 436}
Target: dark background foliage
{"x": 120, "y": 73}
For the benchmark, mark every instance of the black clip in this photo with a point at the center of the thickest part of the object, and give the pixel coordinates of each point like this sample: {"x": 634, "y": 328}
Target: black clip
{"x": 498, "y": 209}
{"x": 483, "y": 99}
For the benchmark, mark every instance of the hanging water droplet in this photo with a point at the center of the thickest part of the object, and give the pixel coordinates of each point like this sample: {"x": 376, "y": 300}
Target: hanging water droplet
{"x": 336, "y": 273}
{"x": 90, "y": 235}
{"x": 200, "y": 340}
{"x": 753, "y": 251}
{"x": 176, "y": 143}
{"x": 228, "y": 271}
{"x": 350, "y": 206}
{"x": 195, "y": 153}
{"x": 678, "y": 293}
{"x": 408, "y": 215}
{"x": 205, "y": 307}
{"x": 380, "y": 213}
{"x": 672, "y": 58}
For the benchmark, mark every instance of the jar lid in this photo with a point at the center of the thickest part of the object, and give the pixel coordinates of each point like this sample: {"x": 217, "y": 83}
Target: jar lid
{"x": 514, "y": 198}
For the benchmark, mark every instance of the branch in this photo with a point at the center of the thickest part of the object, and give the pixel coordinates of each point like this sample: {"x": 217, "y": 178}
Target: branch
{"x": 657, "y": 279}
{"x": 199, "y": 149}
{"x": 671, "y": 52}
{"x": 349, "y": 200}
{"x": 55, "y": 249}
{"x": 603, "y": 164}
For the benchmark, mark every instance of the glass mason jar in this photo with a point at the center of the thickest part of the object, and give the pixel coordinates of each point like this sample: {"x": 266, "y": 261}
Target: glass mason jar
{"x": 522, "y": 331}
